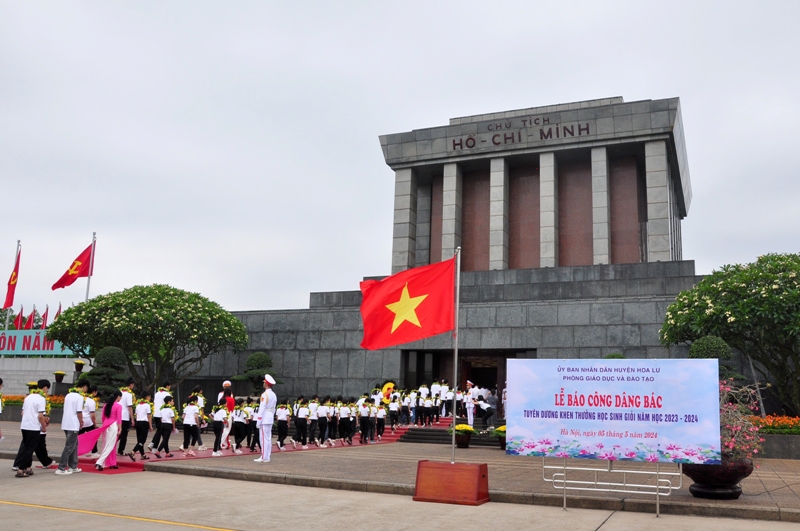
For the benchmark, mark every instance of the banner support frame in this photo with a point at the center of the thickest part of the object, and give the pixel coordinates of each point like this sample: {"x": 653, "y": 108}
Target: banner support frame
{"x": 455, "y": 353}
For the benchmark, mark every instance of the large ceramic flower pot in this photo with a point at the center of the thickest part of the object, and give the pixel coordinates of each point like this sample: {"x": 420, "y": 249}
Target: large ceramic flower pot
{"x": 718, "y": 482}
{"x": 462, "y": 440}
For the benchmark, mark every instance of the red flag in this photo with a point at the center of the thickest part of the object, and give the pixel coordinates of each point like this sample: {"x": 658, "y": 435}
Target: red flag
{"x": 57, "y": 313}
{"x": 410, "y": 305}
{"x": 29, "y": 322}
{"x": 18, "y": 320}
{"x": 80, "y": 268}
{"x": 12, "y": 284}
{"x": 44, "y": 317}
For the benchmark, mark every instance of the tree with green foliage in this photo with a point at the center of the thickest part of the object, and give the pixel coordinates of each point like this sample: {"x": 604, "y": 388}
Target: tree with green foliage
{"x": 256, "y": 366}
{"x": 714, "y": 348}
{"x": 614, "y": 356}
{"x": 755, "y": 308}
{"x": 108, "y": 372}
{"x": 163, "y": 331}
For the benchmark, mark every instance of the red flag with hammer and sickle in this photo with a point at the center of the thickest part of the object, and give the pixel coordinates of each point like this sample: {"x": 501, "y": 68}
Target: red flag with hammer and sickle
{"x": 12, "y": 284}
{"x": 80, "y": 268}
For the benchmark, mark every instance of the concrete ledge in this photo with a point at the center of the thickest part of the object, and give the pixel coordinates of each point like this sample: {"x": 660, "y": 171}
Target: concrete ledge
{"x": 781, "y": 446}
{"x": 668, "y": 506}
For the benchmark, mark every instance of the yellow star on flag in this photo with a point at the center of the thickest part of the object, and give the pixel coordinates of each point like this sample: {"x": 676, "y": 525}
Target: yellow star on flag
{"x": 405, "y": 309}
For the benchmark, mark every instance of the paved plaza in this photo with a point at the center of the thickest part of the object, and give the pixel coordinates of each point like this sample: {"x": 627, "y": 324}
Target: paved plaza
{"x": 772, "y": 493}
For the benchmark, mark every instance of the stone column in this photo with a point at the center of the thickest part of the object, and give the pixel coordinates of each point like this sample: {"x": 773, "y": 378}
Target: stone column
{"x": 498, "y": 214}
{"x": 601, "y": 207}
{"x": 404, "y": 242}
{"x": 658, "y": 202}
{"x": 451, "y": 210}
{"x": 423, "y": 250}
{"x": 548, "y": 209}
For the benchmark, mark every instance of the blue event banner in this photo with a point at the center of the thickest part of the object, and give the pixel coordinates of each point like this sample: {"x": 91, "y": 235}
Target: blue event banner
{"x": 29, "y": 343}
{"x": 614, "y": 409}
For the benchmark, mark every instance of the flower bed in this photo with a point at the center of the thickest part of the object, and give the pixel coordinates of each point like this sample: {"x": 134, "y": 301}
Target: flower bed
{"x": 779, "y": 425}
{"x": 16, "y": 400}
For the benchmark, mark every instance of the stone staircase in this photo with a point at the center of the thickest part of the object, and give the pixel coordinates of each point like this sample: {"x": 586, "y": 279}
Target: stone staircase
{"x": 438, "y": 434}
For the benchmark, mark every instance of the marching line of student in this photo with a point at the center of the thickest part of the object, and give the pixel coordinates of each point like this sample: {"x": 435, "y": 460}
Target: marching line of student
{"x": 237, "y": 424}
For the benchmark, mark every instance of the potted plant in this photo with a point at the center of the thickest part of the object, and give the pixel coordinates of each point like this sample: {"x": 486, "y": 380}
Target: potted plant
{"x": 79, "y": 365}
{"x": 463, "y": 434}
{"x": 59, "y": 376}
{"x": 500, "y": 433}
{"x": 32, "y": 386}
{"x": 740, "y": 443}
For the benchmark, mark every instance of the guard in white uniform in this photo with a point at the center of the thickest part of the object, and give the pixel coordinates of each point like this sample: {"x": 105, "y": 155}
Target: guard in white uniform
{"x": 266, "y": 408}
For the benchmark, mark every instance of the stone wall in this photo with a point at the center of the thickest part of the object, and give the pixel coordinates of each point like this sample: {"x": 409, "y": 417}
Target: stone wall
{"x": 566, "y": 312}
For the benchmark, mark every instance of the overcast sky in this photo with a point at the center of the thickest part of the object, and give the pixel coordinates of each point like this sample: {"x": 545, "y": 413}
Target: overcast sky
{"x": 232, "y": 148}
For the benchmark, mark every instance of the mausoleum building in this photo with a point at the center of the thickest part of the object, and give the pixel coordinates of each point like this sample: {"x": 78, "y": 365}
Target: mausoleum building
{"x": 569, "y": 219}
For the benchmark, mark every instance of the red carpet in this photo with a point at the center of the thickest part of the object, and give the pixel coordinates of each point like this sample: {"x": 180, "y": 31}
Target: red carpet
{"x": 126, "y": 465}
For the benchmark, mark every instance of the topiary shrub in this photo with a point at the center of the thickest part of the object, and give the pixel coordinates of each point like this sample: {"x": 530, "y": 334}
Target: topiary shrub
{"x": 614, "y": 356}
{"x": 713, "y": 347}
{"x": 109, "y": 371}
{"x": 257, "y": 364}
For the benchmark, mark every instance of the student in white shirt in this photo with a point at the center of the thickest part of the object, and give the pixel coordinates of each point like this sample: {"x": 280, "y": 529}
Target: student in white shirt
{"x": 158, "y": 403}
{"x": 363, "y": 419}
{"x": 253, "y": 426}
{"x": 33, "y": 421}
{"x": 313, "y": 420}
{"x": 191, "y": 426}
{"x": 394, "y": 413}
{"x": 323, "y": 415}
{"x": 239, "y": 429}
{"x": 71, "y": 424}
{"x": 143, "y": 415}
{"x": 283, "y": 416}
{"x": 344, "y": 424}
{"x": 219, "y": 415}
{"x": 301, "y": 425}
{"x": 167, "y": 424}
{"x": 380, "y": 420}
{"x": 251, "y": 420}
{"x": 127, "y": 414}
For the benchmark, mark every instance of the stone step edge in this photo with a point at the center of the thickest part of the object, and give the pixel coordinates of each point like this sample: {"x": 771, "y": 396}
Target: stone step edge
{"x": 524, "y": 498}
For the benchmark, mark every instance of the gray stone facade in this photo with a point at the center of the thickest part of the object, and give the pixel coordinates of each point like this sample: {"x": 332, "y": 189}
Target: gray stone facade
{"x": 551, "y": 311}
{"x": 566, "y": 312}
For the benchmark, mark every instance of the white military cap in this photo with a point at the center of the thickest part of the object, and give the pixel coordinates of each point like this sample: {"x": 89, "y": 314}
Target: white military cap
{"x": 269, "y": 379}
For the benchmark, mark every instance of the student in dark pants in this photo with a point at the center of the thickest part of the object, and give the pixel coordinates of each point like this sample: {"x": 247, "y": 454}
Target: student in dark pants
{"x": 283, "y": 416}
{"x": 144, "y": 423}
{"x": 167, "y": 423}
{"x": 219, "y": 415}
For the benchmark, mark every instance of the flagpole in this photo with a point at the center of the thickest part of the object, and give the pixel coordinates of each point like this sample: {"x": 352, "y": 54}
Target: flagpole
{"x": 91, "y": 266}
{"x": 8, "y": 313}
{"x": 455, "y": 352}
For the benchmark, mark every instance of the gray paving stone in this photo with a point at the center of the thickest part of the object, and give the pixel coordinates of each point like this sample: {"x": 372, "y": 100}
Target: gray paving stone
{"x": 291, "y": 359}
{"x": 332, "y": 340}
{"x": 606, "y": 313}
{"x": 480, "y": 317}
{"x": 373, "y": 367}
{"x": 590, "y": 336}
{"x": 322, "y": 364}
{"x": 320, "y": 321}
{"x": 306, "y": 364}
{"x": 338, "y": 364}
{"x": 557, "y": 336}
{"x": 347, "y": 320}
{"x": 640, "y": 313}
{"x": 511, "y": 316}
{"x": 284, "y": 340}
{"x": 542, "y": 315}
{"x": 355, "y": 364}
{"x": 496, "y": 338}
{"x": 573, "y": 314}
{"x": 260, "y": 340}
{"x": 308, "y": 340}
{"x": 623, "y": 336}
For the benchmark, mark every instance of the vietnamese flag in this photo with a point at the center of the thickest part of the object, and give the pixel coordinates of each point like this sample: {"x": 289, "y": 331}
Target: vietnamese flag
{"x": 18, "y": 320}
{"x": 58, "y": 312}
{"x": 29, "y": 322}
{"x": 12, "y": 284}
{"x": 408, "y": 306}
{"x": 81, "y": 267}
